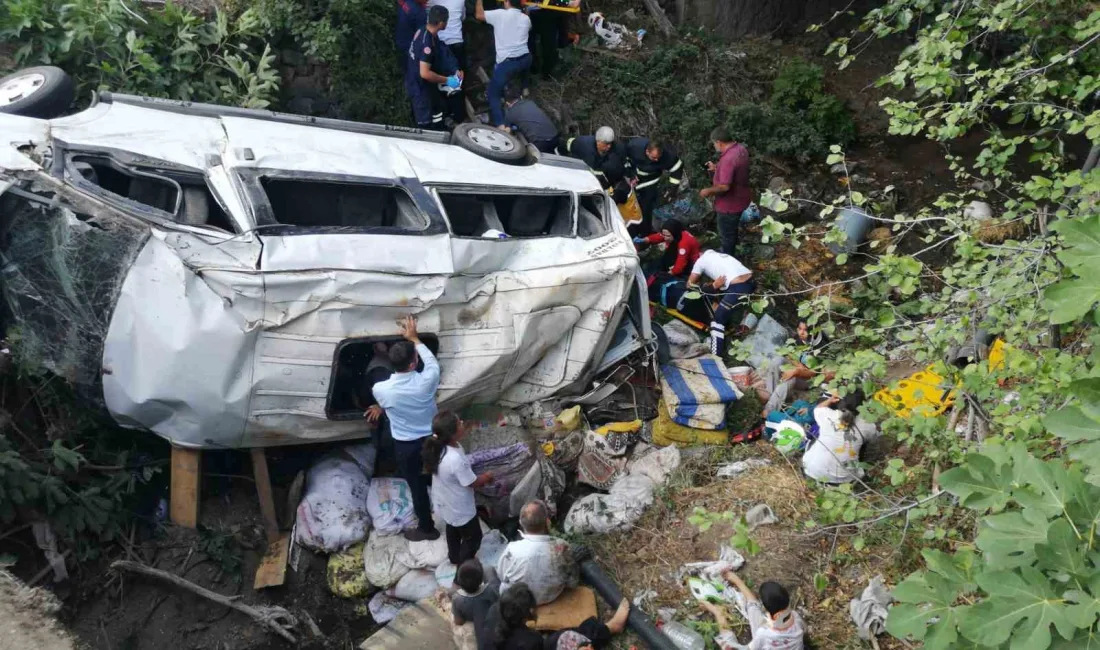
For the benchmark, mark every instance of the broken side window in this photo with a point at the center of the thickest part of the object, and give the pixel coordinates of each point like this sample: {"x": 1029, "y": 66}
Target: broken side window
{"x": 320, "y": 204}
{"x": 516, "y": 215}
{"x": 592, "y": 215}
{"x": 358, "y": 366}
{"x": 184, "y": 197}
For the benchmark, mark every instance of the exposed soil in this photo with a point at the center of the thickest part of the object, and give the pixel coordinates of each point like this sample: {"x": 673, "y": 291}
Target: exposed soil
{"x": 112, "y": 611}
{"x": 647, "y": 557}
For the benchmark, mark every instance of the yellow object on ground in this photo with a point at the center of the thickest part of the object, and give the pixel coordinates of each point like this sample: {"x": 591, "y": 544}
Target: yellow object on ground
{"x": 922, "y": 393}
{"x": 570, "y": 609}
{"x": 666, "y": 432}
{"x": 554, "y": 6}
{"x": 678, "y": 316}
{"x": 926, "y": 392}
{"x": 620, "y": 427}
{"x": 631, "y": 210}
{"x": 345, "y": 574}
{"x": 569, "y": 419}
{"x": 997, "y": 353}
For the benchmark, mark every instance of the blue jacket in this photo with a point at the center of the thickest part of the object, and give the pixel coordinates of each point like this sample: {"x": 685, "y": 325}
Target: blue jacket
{"x": 411, "y": 16}
{"x": 426, "y": 47}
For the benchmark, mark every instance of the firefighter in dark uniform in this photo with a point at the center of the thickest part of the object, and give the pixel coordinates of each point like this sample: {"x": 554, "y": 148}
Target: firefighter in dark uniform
{"x": 609, "y": 161}
{"x": 604, "y": 156}
{"x": 430, "y": 64}
{"x": 650, "y": 160}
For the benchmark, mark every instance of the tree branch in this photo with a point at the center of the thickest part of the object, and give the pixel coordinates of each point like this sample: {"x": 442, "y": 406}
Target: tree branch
{"x": 275, "y": 619}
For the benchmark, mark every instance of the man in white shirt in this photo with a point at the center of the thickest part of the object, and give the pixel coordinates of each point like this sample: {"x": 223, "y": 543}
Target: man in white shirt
{"x": 730, "y": 279}
{"x": 452, "y": 37}
{"x": 511, "y": 28}
{"x": 408, "y": 400}
{"x": 544, "y": 563}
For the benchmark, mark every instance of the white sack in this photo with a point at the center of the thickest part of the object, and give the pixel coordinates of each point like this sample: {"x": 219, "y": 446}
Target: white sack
{"x": 333, "y": 514}
{"x": 389, "y": 503}
{"x": 415, "y": 586}
{"x": 380, "y": 561}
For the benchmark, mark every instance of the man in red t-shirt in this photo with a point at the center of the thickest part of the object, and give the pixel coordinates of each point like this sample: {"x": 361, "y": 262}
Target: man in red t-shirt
{"x": 730, "y": 187}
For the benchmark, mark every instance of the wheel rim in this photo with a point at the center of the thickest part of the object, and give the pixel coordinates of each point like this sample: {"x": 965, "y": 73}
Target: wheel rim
{"x": 20, "y": 88}
{"x": 492, "y": 139}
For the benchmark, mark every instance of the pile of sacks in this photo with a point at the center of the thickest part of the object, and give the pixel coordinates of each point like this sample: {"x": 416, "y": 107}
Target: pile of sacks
{"x": 695, "y": 391}
{"x": 628, "y": 496}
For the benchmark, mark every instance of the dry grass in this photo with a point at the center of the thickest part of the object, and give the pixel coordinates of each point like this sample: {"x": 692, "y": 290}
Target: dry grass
{"x": 648, "y": 556}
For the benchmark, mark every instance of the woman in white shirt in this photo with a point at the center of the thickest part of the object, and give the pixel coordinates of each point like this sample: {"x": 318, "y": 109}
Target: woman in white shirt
{"x": 834, "y": 457}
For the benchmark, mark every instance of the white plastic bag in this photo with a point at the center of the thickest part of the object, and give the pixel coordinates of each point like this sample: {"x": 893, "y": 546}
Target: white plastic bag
{"x": 384, "y": 608}
{"x": 656, "y": 465}
{"x": 616, "y": 511}
{"x": 492, "y": 547}
{"x": 332, "y": 514}
{"x": 415, "y": 586}
{"x": 380, "y": 559}
{"x": 424, "y": 555}
{"x": 389, "y": 503}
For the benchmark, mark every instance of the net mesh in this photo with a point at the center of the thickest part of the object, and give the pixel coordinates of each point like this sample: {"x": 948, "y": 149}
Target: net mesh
{"x": 61, "y": 274}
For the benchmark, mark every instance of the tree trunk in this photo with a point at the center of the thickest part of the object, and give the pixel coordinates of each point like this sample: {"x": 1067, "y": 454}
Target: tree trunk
{"x": 737, "y": 18}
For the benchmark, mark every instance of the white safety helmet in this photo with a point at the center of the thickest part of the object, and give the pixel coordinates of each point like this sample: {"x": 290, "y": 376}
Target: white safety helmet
{"x": 605, "y": 134}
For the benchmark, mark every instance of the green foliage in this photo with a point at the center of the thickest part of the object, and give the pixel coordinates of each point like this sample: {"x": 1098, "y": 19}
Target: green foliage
{"x": 85, "y": 503}
{"x": 704, "y": 520}
{"x": 355, "y": 39}
{"x": 166, "y": 52}
{"x": 800, "y": 88}
{"x": 1015, "y": 563}
{"x": 672, "y": 90}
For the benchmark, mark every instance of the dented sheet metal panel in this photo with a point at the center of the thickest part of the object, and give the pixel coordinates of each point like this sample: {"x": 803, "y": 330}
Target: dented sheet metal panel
{"x": 528, "y": 332}
{"x": 189, "y": 141}
{"x": 177, "y": 360}
{"x": 16, "y": 132}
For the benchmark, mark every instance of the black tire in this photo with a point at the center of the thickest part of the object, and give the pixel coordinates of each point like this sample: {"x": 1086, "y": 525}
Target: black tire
{"x": 44, "y": 92}
{"x": 490, "y": 142}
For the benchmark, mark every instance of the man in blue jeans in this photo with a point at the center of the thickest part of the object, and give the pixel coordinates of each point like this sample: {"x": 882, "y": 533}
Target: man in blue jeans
{"x": 730, "y": 279}
{"x": 511, "y": 28}
{"x": 408, "y": 400}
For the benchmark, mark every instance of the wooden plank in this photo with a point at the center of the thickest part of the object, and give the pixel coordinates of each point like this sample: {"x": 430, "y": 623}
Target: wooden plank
{"x": 267, "y": 500}
{"x": 272, "y": 569}
{"x": 185, "y": 479}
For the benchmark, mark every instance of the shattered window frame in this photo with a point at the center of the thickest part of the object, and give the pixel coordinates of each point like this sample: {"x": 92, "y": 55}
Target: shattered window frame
{"x": 338, "y": 380}
{"x": 438, "y": 192}
{"x": 604, "y": 215}
{"x": 129, "y": 163}
{"x": 263, "y": 216}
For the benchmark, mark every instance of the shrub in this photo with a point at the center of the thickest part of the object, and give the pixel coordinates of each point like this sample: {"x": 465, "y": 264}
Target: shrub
{"x": 799, "y": 83}
{"x": 800, "y": 87}
{"x": 355, "y": 39}
{"x": 168, "y": 52}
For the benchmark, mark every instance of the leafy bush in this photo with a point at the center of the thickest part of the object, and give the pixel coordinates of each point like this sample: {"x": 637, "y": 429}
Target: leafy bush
{"x": 798, "y": 84}
{"x": 167, "y": 52}
{"x": 355, "y": 39}
{"x": 88, "y": 483}
{"x": 800, "y": 87}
